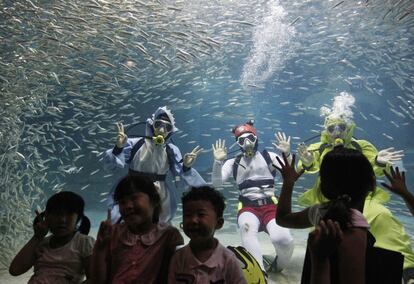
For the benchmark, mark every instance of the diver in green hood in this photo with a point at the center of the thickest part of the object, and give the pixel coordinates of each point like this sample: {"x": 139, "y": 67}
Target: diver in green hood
{"x": 338, "y": 130}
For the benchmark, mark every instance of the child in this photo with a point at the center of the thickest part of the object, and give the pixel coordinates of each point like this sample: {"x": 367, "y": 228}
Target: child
{"x": 64, "y": 256}
{"x": 346, "y": 179}
{"x": 139, "y": 249}
{"x": 204, "y": 259}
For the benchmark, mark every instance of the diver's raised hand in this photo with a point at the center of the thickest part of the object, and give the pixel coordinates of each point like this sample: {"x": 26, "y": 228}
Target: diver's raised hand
{"x": 282, "y": 143}
{"x": 189, "y": 158}
{"x": 121, "y": 138}
{"x": 389, "y": 156}
{"x": 219, "y": 150}
{"x": 305, "y": 155}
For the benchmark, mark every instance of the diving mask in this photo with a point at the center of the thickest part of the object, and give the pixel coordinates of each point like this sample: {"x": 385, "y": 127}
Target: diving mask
{"x": 161, "y": 130}
{"x": 162, "y": 124}
{"x": 250, "y": 137}
{"x": 337, "y": 130}
{"x": 247, "y": 142}
{"x": 340, "y": 127}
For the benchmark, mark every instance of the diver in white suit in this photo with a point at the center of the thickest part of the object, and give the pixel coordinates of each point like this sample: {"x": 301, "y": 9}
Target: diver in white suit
{"x": 254, "y": 173}
{"x": 154, "y": 156}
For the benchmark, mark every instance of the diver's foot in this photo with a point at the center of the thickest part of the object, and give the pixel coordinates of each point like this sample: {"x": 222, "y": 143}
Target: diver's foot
{"x": 270, "y": 264}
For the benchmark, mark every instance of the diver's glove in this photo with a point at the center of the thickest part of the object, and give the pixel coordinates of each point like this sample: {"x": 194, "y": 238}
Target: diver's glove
{"x": 282, "y": 143}
{"x": 121, "y": 139}
{"x": 304, "y": 155}
{"x": 189, "y": 158}
{"x": 389, "y": 156}
{"x": 219, "y": 150}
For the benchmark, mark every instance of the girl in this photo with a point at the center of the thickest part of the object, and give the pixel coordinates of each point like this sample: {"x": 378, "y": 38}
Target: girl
{"x": 62, "y": 257}
{"x": 139, "y": 249}
{"x": 346, "y": 179}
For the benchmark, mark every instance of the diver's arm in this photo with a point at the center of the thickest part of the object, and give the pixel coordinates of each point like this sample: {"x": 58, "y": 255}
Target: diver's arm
{"x": 221, "y": 172}
{"x": 117, "y": 157}
{"x": 314, "y": 166}
{"x": 190, "y": 175}
{"x": 371, "y": 153}
{"x": 216, "y": 176}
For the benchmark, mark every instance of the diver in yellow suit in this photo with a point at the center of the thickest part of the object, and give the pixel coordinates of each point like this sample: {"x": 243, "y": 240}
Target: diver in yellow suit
{"x": 387, "y": 230}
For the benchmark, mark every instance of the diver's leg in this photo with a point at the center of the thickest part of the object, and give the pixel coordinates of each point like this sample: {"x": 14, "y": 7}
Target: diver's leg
{"x": 249, "y": 227}
{"x": 166, "y": 206}
{"x": 282, "y": 241}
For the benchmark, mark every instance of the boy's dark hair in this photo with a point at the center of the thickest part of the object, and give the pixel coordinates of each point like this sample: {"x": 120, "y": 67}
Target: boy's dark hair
{"x": 70, "y": 202}
{"x": 132, "y": 184}
{"x": 206, "y": 193}
{"x": 346, "y": 177}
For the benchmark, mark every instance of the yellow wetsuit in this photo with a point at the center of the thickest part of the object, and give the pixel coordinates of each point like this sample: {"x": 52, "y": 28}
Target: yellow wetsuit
{"x": 387, "y": 230}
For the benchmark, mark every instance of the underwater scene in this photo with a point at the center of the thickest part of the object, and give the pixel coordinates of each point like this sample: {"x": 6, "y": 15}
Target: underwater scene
{"x": 71, "y": 70}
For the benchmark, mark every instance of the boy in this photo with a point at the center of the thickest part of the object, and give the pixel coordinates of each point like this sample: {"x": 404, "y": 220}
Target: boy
{"x": 204, "y": 259}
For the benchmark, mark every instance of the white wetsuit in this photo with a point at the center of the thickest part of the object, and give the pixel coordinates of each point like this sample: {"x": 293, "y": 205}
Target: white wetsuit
{"x": 256, "y": 183}
{"x": 152, "y": 160}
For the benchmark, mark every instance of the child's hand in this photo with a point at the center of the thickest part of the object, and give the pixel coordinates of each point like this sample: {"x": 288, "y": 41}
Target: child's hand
{"x": 397, "y": 181}
{"x": 105, "y": 231}
{"x": 287, "y": 170}
{"x": 40, "y": 226}
{"x": 325, "y": 239}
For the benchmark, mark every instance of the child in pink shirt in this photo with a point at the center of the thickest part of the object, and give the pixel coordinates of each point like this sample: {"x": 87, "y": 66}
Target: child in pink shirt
{"x": 139, "y": 249}
{"x": 204, "y": 259}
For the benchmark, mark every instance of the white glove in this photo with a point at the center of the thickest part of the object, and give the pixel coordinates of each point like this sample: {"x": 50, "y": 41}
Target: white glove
{"x": 219, "y": 150}
{"x": 189, "y": 158}
{"x": 281, "y": 143}
{"x": 389, "y": 156}
{"x": 304, "y": 155}
{"x": 121, "y": 139}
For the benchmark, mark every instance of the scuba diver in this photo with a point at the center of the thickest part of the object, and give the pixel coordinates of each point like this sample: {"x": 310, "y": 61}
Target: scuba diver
{"x": 154, "y": 156}
{"x": 338, "y": 131}
{"x": 254, "y": 173}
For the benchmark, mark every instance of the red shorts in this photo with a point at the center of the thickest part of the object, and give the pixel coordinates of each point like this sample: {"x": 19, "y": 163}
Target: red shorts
{"x": 264, "y": 213}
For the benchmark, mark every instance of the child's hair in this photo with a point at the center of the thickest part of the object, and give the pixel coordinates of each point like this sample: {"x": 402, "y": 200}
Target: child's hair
{"x": 70, "y": 202}
{"x": 346, "y": 177}
{"x": 132, "y": 184}
{"x": 206, "y": 193}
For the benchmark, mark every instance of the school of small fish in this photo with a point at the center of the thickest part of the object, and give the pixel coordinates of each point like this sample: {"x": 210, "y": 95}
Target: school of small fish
{"x": 69, "y": 70}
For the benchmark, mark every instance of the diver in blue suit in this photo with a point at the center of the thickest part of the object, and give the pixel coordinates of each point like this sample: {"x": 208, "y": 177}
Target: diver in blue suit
{"x": 154, "y": 156}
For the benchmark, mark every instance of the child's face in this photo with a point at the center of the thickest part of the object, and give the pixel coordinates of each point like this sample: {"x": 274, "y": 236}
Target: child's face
{"x": 136, "y": 209}
{"x": 200, "y": 220}
{"x": 61, "y": 223}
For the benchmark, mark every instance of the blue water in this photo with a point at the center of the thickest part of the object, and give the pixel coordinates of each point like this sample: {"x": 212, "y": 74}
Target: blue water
{"x": 274, "y": 62}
